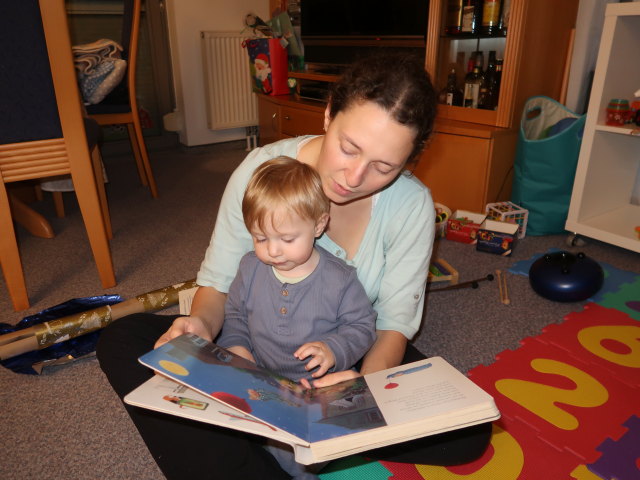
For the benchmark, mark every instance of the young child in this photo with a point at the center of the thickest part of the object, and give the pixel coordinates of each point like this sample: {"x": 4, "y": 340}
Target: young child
{"x": 293, "y": 307}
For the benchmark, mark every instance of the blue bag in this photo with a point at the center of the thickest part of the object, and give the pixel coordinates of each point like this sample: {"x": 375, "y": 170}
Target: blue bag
{"x": 545, "y": 165}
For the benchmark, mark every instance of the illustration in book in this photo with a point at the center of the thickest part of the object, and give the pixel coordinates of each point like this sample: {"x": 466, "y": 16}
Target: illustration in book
{"x": 344, "y": 408}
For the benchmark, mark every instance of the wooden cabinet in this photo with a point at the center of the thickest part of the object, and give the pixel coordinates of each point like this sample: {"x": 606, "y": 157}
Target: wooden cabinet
{"x": 283, "y": 116}
{"x": 604, "y": 202}
{"x": 300, "y": 121}
{"x": 269, "y": 118}
{"x": 467, "y": 166}
{"x": 468, "y": 163}
{"x": 534, "y": 49}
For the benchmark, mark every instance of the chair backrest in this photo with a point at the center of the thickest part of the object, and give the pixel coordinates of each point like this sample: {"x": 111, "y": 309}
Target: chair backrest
{"x": 128, "y": 11}
{"x": 48, "y": 143}
{"x": 27, "y": 96}
{"x": 54, "y": 142}
{"x": 40, "y": 105}
{"x": 124, "y": 93}
{"x": 130, "y": 37}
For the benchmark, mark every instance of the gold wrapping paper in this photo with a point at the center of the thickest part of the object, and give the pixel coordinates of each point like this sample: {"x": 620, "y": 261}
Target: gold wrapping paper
{"x": 46, "y": 334}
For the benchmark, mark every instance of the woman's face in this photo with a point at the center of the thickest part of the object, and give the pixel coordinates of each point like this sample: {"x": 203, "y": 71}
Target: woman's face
{"x": 363, "y": 151}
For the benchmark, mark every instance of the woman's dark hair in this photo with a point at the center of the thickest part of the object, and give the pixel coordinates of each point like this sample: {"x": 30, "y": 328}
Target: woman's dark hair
{"x": 398, "y": 83}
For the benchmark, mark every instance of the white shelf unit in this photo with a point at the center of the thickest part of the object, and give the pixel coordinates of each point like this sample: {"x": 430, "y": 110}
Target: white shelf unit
{"x": 602, "y": 204}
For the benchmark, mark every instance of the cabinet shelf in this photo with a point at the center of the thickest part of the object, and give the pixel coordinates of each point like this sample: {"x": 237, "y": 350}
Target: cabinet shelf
{"x": 474, "y": 115}
{"x": 616, "y": 226}
{"x": 319, "y": 77}
{"x": 633, "y": 130}
{"x": 470, "y": 36}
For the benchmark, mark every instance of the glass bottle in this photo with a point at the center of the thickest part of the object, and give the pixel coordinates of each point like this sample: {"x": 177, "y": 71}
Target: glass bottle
{"x": 471, "y": 12}
{"x": 505, "y": 16}
{"x": 475, "y": 57}
{"x": 453, "y": 22}
{"x": 472, "y": 83}
{"x": 491, "y": 17}
{"x": 486, "y": 97}
{"x": 451, "y": 94}
{"x": 496, "y": 86}
{"x": 472, "y": 61}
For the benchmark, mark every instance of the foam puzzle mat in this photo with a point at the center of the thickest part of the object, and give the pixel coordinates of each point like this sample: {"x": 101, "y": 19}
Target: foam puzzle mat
{"x": 569, "y": 398}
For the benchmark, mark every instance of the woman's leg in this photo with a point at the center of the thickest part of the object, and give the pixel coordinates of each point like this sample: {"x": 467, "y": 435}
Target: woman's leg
{"x": 451, "y": 448}
{"x": 182, "y": 448}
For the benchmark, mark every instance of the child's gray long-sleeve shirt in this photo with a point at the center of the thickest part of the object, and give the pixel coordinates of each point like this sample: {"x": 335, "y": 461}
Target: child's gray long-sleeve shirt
{"x": 272, "y": 320}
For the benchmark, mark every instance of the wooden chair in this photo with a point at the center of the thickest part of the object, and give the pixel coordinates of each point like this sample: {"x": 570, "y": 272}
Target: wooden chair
{"x": 120, "y": 107}
{"x": 42, "y": 131}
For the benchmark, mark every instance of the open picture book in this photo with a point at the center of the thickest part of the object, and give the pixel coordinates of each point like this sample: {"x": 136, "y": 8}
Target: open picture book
{"x": 204, "y": 382}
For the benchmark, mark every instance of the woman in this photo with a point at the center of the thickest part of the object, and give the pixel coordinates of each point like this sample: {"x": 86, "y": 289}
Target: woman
{"x": 379, "y": 116}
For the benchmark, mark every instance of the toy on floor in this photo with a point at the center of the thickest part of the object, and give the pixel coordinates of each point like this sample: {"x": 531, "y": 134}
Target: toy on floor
{"x": 442, "y": 215}
{"x": 508, "y": 212}
{"x": 441, "y": 271}
{"x": 564, "y": 277}
{"x": 502, "y": 286}
{"x": 470, "y": 283}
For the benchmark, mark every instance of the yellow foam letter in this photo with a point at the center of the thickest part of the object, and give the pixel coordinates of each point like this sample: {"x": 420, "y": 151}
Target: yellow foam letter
{"x": 506, "y": 463}
{"x": 591, "y": 338}
{"x": 583, "y": 473}
{"x": 541, "y": 399}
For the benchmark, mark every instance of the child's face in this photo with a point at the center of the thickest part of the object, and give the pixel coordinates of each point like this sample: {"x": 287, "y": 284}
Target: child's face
{"x": 287, "y": 243}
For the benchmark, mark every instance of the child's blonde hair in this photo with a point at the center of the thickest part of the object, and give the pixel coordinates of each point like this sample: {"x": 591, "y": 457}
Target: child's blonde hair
{"x": 283, "y": 183}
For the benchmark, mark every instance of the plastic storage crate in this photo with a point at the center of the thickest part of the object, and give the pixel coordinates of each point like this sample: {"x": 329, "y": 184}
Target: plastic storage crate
{"x": 509, "y": 212}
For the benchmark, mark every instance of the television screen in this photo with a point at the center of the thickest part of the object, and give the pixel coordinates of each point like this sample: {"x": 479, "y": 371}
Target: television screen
{"x": 377, "y": 18}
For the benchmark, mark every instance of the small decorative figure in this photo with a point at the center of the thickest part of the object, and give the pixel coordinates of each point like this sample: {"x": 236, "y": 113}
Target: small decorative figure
{"x": 263, "y": 71}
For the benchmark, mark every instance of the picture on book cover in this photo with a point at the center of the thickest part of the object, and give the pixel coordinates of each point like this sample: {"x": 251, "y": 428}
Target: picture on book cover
{"x": 313, "y": 414}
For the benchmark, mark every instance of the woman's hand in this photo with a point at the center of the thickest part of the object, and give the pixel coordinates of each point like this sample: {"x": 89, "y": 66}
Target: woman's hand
{"x": 182, "y": 325}
{"x": 207, "y": 314}
{"x": 387, "y": 352}
{"x": 330, "y": 379}
{"x": 242, "y": 352}
{"x": 323, "y": 357}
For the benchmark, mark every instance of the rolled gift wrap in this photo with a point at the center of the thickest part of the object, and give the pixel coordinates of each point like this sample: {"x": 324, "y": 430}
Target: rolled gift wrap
{"x": 49, "y": 333}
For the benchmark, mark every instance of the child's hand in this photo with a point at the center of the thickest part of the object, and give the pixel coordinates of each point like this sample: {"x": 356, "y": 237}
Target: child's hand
{"x": 323, "y": 357}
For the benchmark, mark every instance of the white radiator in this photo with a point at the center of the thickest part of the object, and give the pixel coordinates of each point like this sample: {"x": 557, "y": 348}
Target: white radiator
{"x": 231, "y": 102}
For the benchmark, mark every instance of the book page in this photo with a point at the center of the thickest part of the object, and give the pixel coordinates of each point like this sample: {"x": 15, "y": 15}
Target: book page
{"x": 164, "y": 395}
{"x": 423, "y": 389}
{"x": 228, "y": 378}
{"x": 342, "y": 409}
{"x": 414, "y": 393}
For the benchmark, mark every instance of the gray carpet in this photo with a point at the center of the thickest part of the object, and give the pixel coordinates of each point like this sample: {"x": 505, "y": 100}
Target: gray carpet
{"x": 68, "y": 423}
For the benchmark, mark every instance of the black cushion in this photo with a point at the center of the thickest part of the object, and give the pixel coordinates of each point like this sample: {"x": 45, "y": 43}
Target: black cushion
{"x": 28, "y": 107}
{"x": 27, "y": 99}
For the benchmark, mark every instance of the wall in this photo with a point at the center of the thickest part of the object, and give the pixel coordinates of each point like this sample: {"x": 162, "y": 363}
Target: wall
{"x": 186, "y": 19}
{"x": 585, "y": 52}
